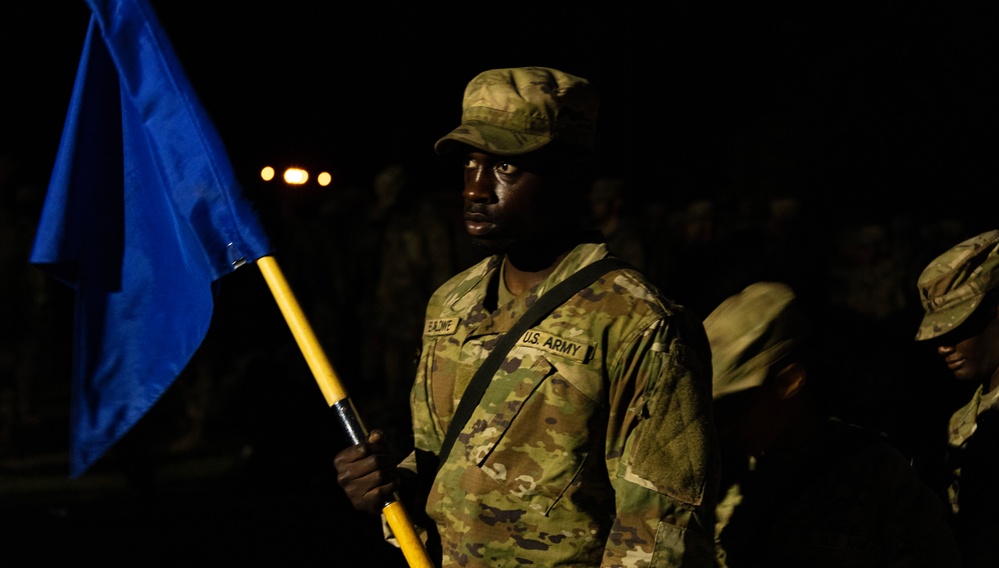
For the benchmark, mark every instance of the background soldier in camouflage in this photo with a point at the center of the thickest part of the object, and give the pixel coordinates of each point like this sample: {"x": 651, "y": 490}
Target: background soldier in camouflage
{"x": 800, "y": 487}
{"x": 594, "y": 443}
{"x": 960, "y": 295}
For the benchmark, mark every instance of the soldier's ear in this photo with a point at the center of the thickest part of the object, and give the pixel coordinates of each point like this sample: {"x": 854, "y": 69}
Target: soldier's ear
{"x": 790, "y": 380}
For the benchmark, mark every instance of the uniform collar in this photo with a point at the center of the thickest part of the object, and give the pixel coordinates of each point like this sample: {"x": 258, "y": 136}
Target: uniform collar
{"x": 504, "y": 317}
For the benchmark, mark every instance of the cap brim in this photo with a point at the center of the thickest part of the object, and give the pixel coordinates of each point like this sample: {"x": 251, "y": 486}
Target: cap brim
{"x": 744, "y": 381}
{"x": 939, "y": 323}
{"x": 735, "y": 376}
{"x": 490, "y": 138}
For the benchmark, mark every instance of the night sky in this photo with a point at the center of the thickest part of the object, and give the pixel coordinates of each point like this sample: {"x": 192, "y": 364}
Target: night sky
{"x": 865, "y": 109}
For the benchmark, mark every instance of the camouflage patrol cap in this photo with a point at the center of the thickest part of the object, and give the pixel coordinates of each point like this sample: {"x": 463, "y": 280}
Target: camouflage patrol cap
{"x": 752, "y": 331}
{"x": 519, "y": 110}
{"x": 953, "y": 285}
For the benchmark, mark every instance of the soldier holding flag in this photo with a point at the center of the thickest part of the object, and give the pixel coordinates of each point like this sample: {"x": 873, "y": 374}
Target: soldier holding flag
{"x": 591, "y": 442}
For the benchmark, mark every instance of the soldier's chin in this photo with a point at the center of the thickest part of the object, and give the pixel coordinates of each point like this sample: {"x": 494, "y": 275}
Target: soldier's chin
{"x": 492, "y": 245}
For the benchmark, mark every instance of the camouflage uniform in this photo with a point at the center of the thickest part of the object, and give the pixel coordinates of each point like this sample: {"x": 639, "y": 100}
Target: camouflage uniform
{"x": 594, "y": 443}
{"x": 954, "y": 286}
{"x": 974, "y": 491}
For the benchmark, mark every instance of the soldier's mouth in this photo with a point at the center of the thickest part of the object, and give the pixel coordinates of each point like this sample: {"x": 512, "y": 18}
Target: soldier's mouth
{"x": 477, "y": 224}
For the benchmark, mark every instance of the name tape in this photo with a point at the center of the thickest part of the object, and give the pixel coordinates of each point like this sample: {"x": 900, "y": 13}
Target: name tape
{"x": 574, "y": 350}
{"x": 445, "y": 326}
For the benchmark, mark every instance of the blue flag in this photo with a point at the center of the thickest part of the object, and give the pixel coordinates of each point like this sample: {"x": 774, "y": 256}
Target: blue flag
{"x": 143, "y": 214}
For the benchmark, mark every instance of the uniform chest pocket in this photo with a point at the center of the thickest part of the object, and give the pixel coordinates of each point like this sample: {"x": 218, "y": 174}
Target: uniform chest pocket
{"x": 536, "y": 440}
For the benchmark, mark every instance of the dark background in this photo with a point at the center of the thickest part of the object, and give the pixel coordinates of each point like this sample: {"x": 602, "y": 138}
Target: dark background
{"x": 869, "y": 108}
{"x": 870, "y": 114}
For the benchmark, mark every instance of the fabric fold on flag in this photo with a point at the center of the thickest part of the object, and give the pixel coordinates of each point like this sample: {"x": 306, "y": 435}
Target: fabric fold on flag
{"x": 143, "y": 215}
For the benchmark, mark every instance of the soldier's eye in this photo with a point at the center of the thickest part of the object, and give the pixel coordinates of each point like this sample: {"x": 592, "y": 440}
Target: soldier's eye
{"x": 506, "y": 168}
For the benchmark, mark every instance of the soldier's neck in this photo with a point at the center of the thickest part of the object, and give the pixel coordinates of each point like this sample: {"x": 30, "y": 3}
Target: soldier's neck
{"x": 533, "y": 261}
{"x": 519, "y": 280}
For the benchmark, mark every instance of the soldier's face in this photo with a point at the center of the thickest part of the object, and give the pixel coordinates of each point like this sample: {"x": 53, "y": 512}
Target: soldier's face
{"x": 971, "y": 351}
{"x": 505, "y": 200}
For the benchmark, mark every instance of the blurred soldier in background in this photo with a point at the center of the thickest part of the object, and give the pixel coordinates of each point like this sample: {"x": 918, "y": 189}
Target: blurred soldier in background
{"x": 609, "y": 201}
{"x": 801, "y": 487}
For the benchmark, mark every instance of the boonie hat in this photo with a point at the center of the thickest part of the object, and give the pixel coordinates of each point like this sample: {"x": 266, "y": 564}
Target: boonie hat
{"x": 953, "y": 285}
{"x": 750, "y": 332}
{"x": 519, "y": 110}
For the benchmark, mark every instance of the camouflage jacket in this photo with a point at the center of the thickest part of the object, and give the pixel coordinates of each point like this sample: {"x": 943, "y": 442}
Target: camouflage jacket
{"x": 594, "y": 443}
{"x": 963, "y": 425}
{"x": 974, "y": 491}
{"x": 964, "y": 421}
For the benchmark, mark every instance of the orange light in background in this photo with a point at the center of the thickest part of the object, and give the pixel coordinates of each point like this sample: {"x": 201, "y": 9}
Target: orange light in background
{"x": 324, "y": 178}
{"x": 267, "y": 174}
{"x": 295, "y": 176}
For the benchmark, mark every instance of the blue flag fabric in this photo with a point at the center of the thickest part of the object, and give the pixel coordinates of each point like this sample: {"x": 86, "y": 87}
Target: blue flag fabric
{"x": 143, "y": 214}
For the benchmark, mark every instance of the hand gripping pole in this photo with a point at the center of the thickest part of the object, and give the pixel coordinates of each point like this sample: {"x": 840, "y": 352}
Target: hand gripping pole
{"x": 336, "y": 396}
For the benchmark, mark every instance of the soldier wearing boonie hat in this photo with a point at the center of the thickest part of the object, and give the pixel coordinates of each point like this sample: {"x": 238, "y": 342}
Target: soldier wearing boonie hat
{"x": 953, "y": 285}
{"x": 591, "y": 441}
{"x": 959, "y": 291}
{"x": 804, "y": 488}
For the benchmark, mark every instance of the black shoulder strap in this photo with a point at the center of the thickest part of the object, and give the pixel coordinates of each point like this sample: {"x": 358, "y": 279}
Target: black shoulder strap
{"x": 542, "y": 307}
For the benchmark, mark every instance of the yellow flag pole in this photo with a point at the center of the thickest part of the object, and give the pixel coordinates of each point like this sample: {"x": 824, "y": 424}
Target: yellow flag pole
{"x": 337, "y": 398}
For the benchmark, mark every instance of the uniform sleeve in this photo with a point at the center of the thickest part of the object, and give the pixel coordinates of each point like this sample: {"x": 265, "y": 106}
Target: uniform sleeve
{"x": 662, "y": 453}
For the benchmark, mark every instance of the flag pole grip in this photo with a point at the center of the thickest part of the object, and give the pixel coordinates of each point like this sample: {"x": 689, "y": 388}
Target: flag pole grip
{"x": 336, "y": 397}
